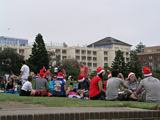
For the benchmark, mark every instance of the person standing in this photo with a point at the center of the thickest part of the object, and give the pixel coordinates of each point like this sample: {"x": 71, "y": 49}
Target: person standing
{"x": 24, "y": 72}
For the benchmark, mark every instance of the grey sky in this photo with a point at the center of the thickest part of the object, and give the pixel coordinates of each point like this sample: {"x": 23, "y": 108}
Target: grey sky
{"x": 82, "y": 21}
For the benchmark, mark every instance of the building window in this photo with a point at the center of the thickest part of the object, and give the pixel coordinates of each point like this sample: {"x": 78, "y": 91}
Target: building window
{"x": 105, "y": 53}
{"x": 83, "y": 57}
{"x": 84, "y": 63}
{"x": 77, "y": 57}
{"x": 83, "y": 52}
{"x": 89, "y": 58}
{"x": 21, "y": 51}
{"x": 94, "y": 64}
{"x": 89, "y": 52}
{"x": 89, "y": 64}
{"x": 57, "y": 50}
{"x": 94, "y": 59}
{"x": 64, "y": 57}
{"x": 77, "y": 51}
{"x": 127, "y": 53}
{"x": 105, "y": 58}
{"x": 64, "y": 51}
{"x": 94, "y": 53}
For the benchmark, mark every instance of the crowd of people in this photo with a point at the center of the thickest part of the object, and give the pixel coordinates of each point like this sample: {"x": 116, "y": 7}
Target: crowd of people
{"x": 93, "y": 86}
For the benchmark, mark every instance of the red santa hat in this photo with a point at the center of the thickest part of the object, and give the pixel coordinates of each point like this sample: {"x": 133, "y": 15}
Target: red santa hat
{"x": 60, "y": 75}
{"x": 99, "y": 70}
{"x": 129, "y": 75}
{"x": 81, "y": 78}
{"x": 147, "y": 71}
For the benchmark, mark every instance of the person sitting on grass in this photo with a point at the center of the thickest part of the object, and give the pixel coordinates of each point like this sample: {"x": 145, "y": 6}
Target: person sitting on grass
{"x": 10, "y": 86}
{"x": 96, "y": 91}
{"x": 113, "y": 85}
{"x": 41, "y": 85}
{"x": 2, "y": 84}
{"x": 151, "y": 85}
{"x": 27, "y": 87}
{"x": 59, "y": 86}
{"x": 132, "y": 82}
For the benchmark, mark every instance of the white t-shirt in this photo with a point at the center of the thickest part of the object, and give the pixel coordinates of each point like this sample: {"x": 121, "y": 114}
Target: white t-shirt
{"x": 25, "y": 71}
{"x": 27, "y": 86}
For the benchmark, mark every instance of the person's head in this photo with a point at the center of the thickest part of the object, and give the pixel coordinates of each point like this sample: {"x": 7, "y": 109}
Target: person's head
{"x": 30, "y": 78}
{"x": 132, "y": 77}
{"x": 120, "y": 75}
{"x": 23, "y": 62}
{"x": 115, "y": 73}
{"x": 54, "y": 77}
{"x": 146, "y": 71}
{"x": 92, "y": 74}
{"x": 100, "y": 72}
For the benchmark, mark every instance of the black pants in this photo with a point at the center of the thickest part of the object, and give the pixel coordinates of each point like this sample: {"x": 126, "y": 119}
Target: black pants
{"x": 25, "y": 93}
{"x": 100, "y": 96}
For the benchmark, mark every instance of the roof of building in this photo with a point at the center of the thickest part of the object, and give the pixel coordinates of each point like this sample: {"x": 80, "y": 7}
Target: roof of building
{"x": 108, "y": 41}
{"x": 13, "y": 38}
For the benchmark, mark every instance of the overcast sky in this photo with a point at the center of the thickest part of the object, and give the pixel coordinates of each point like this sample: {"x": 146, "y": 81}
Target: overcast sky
{"x": 81, "y": 22}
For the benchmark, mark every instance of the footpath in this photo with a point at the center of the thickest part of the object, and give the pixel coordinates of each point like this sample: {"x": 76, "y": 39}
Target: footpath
{"x": 77, "y": 113}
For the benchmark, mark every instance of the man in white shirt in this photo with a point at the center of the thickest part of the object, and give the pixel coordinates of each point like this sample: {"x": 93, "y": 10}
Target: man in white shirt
{"x": 24, "y": 72}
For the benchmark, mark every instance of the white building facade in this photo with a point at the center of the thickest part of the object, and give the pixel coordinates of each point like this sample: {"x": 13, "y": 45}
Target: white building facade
{"x": 90, "y": 56}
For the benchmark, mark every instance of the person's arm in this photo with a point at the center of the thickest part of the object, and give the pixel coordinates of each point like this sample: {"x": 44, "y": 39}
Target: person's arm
{"x": 124, "y": 83}
{"x": 100, "y": 85}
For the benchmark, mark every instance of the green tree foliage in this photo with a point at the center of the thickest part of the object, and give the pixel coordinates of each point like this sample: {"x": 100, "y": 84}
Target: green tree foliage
{"x": 39, "y": 56}
{"x": 119, "y": 63}
{"x": 134, "y": 65}
{"x": 72, "y": 67}
{"x": 140, "y": 47}
{"x": 10, "y": 61}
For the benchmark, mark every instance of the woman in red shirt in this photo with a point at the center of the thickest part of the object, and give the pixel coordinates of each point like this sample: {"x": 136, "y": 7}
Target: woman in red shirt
{"x": 96, "y": 91}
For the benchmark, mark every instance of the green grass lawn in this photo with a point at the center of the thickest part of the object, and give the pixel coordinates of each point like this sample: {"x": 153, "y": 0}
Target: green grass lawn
{"x": 67, "y": 102}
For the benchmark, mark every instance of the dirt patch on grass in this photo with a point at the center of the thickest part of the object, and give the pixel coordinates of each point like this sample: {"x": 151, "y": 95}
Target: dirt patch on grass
{"x": 13, "y": 105}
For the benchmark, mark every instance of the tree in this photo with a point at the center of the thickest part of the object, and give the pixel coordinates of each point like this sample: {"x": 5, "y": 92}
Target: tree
{"x": 134, "y": 65}
{"x": 119, "y": 63}
{"x": 71, "y": 66}
{"x": 10, "y": 61}
{"x": 39, "y": 56}
{"x": 140, "y": 47}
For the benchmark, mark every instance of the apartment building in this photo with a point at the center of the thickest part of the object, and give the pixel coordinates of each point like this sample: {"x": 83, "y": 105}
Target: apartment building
{"x": 150, "y": 57}
{"x": 18, "y": 44}
{"x": 96, "y": 54}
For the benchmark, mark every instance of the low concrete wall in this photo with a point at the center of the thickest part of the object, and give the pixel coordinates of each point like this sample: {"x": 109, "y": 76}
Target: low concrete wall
{"x": 109, "y": 115}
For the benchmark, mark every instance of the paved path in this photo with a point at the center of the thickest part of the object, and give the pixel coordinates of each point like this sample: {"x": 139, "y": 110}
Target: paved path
{"x": 48, "y": 110}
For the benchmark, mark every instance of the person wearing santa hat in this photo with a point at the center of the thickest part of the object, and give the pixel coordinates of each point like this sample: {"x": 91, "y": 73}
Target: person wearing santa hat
{"x": 151, "y": 85}
{"x": 96, "y": 91}
{"x": 132, "y": 82}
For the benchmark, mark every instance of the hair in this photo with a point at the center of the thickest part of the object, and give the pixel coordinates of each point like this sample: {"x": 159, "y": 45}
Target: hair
{"x": 30, "y": 78}
{"x": 23, "y": 62}
{"x": 115, "y": 73}
{"x": 100, "y": 75}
